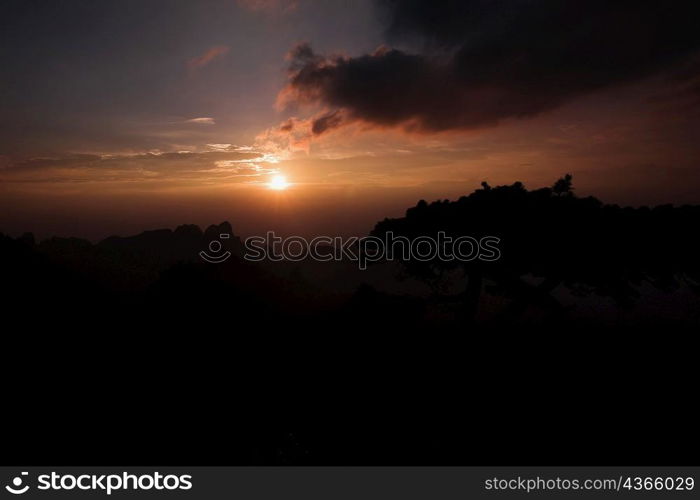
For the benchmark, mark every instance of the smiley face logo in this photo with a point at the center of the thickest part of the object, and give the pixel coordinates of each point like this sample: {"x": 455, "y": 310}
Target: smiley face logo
{"x": 215, "y": 247}
{"x": 16, "y": 488}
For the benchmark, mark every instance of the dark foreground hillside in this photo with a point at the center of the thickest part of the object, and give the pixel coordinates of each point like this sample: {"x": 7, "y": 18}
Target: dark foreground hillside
{"x": 577, "y": 343}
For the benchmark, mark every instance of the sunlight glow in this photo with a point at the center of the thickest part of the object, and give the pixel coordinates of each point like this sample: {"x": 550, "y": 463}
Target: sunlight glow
{"x": 278, "y": 183}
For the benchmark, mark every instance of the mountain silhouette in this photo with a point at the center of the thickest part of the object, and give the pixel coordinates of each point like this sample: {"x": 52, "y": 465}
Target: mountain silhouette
{"x": 588, "y": 309}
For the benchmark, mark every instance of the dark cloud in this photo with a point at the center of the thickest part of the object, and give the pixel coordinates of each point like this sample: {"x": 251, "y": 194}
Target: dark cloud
{"x": 483, "y": 61}
{"x": 326, "y": 122}
{"x": 287, "y": 126}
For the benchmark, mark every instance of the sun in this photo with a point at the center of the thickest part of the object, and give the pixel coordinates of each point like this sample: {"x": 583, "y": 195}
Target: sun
{"x": 278, "y": 183}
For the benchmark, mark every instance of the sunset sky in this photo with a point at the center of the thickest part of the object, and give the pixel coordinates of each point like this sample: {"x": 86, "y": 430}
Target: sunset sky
{"x": 120, "y": 116}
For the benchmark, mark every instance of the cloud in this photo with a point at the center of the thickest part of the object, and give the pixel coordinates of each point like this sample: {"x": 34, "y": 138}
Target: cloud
{"x": 290, "y": 136}
{"x": 207, "y": 57}
{"x": 203, "y": 120}
{"x": 217, "y": 165}
{"x": 295, "y": 134}
{"x": 220, "y": 147}
{"x": 326, "y": 122}
{"x": 476, "y": 63}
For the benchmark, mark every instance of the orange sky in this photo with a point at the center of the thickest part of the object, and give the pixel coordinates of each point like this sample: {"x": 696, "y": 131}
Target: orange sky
{"x": 189, "y": 131}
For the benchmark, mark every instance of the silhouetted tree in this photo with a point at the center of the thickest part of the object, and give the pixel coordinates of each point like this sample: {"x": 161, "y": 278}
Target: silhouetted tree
{"x": 563, "y": 186}
{"x": 549, "y": 237}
